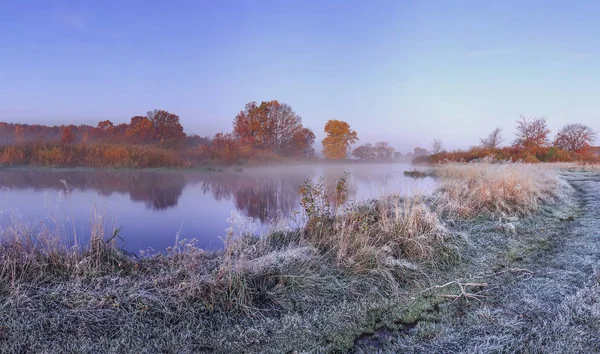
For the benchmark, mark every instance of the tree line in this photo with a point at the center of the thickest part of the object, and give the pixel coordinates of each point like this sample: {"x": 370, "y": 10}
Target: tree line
{"x": 269, "y": 131}
{"x": 532, "y": 143}
{"x": 157, "y": 127}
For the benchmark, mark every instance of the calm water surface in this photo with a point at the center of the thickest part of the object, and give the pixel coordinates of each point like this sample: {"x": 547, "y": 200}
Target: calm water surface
{"x": 152, "y": 207}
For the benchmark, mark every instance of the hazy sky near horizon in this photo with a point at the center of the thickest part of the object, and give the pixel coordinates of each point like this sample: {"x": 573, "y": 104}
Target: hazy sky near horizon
{"x": 401, "y": 71}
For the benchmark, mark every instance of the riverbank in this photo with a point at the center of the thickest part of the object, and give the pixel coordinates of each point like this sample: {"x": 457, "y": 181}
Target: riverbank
{"x": 350, "y": 271}
{"x": 539, "y": 292}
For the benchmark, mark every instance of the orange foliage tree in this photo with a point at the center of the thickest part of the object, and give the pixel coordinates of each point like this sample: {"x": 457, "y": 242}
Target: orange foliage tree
{"x": 167, "y": 129}
{"x": 302, "y": 144}
{"x": 338, "y": 140}
{"x": 223, "y": 147}
{"x": 140, "y": 130}
{"x": 270, "y": 126}
{"x": 68, "y": 136}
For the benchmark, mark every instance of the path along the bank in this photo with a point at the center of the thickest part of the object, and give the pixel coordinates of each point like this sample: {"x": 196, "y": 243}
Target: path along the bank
{"x": 550, "y": 305}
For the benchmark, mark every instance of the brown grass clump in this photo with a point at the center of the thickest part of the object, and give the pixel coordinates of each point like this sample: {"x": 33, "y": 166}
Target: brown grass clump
{"x": 467, "y": 190}
{"x": 382, "y": 234}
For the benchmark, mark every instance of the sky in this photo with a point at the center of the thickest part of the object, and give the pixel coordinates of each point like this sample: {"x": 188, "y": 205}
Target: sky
{"x": 400, "y": 71}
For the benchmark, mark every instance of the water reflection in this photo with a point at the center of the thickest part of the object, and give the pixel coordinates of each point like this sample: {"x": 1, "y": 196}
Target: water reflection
{"x": 259, "y": 195}
{"x": 157, "y": 190}
{"x": 153, "y": 206}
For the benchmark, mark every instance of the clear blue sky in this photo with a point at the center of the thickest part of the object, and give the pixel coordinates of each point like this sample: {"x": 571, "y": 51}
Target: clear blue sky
{"x": 402, "y": 71}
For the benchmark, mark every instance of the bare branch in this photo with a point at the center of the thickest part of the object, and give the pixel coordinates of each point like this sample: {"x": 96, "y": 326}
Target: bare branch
{"x": 575, "y": 137}
{"x": 532, "y": 133}
{"x": 494, "y": 140}
{"x": 437, "y": 146}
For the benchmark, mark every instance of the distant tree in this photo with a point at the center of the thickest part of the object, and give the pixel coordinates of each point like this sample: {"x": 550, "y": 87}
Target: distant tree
{"x": 364, "y": 152}
{"x": 68, "y": 136}
{"x": 420, "y": 152}
{"x": 531, "y": 133}
{"x": 575, "y": 137}
{"x": 167, "y": 129}
{"x": 105, "y": 126}
{"x": 437, "y": 146}
{"x": 270, "y": 126}
{"x": 384, "y": 151}
{"x": 196, "y": 141}
{"x": 140, "y": 130}
{"x": 338, "y": 140}
{"x": 493, "y": 140}
{"x": 397, "y": 155}
{"x": 4, "y": 133}
{"x": 302, "y": 144}
{"x": 19, "y": 134}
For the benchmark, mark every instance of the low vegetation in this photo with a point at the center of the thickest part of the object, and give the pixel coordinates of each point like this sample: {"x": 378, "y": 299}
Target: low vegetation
{"x": 92, "y": 155}
{"x": 316, "y": 288}
{"x": 495, "y": 189}
{"x": 532, "y": 144}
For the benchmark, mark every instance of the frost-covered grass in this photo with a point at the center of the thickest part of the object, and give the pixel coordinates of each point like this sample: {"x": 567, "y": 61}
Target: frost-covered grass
{"x": 349, "y": 269}
{"x": 468, "y": 190}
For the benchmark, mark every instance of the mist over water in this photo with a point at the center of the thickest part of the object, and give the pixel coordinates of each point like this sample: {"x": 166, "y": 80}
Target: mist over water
{"x": 151, "y": 207}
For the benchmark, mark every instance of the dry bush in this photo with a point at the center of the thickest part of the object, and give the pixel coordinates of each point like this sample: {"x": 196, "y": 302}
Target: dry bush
{"x": 467, "y": 190}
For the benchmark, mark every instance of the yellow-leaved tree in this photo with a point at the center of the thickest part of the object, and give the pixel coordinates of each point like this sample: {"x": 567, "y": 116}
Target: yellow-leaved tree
{"x": 338, "y": 140}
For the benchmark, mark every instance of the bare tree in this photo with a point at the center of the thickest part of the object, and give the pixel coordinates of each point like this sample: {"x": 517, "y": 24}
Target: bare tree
{"x": 574, "y": 137}
{"x": 437, "y": 146}
{"x": 532, "y": 133}
{"x": 493, "y": 140}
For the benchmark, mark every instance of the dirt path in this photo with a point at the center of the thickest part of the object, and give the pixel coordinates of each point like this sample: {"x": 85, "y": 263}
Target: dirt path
{"x": 553, "y": 307}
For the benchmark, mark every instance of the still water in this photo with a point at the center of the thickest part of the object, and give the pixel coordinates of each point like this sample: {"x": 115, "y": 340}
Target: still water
{"x": 152, "y": 207}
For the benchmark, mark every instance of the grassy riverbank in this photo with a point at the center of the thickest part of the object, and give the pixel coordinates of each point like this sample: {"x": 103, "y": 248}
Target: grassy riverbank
{"x": 350, "y": 270}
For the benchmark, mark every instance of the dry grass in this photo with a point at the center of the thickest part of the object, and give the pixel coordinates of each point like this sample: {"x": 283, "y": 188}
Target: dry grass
{"x": 468, "y": 190}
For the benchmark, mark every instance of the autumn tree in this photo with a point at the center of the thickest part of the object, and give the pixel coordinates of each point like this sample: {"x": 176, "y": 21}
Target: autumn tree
{"x": 105, "y": 126}
{"x": 494, "y": 140}
{"x": 20, "y": 134}
{"x": 338, "y": 140}
{"x": 223, "y": 147}
{"x": 167, "y": 129}
{"x": 302, "y": 144}
{"x": 4, "y": 133}
{"x": 140, "y": 130}
{"x": 437, "y": 146}
{"x": 575, "y": 137}
{"x": 364, "y": 152}
{"x": 531, "y": 133}
{"x": 68, "y": 136}
{"x": 270, "y": 126}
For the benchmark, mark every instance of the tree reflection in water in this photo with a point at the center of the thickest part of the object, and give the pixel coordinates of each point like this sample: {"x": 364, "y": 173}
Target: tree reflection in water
{"x": 261, "y": 195}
